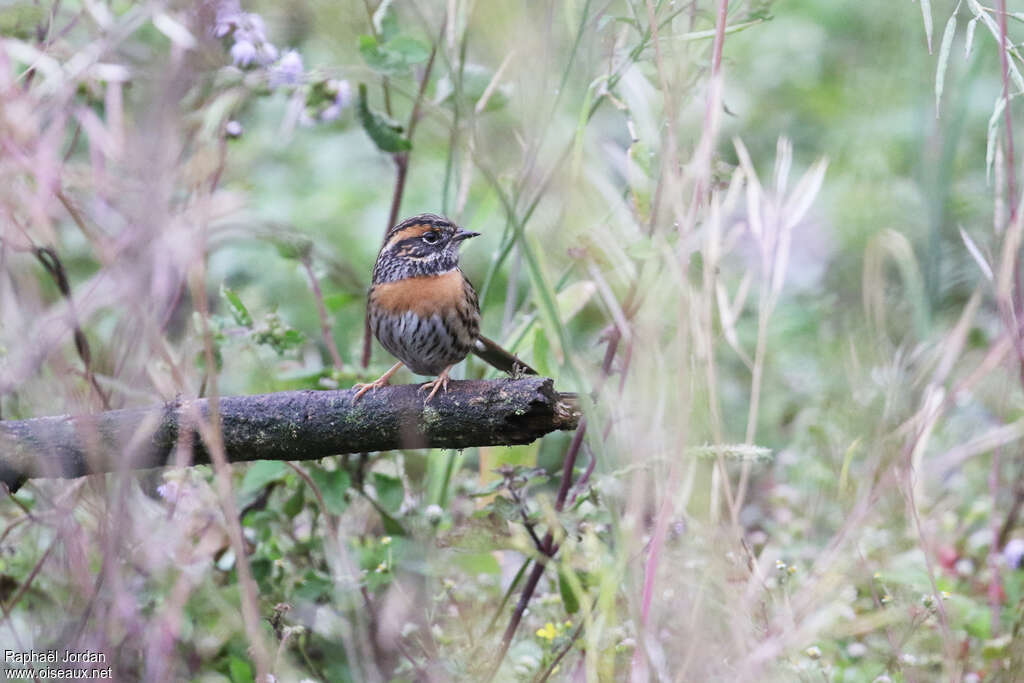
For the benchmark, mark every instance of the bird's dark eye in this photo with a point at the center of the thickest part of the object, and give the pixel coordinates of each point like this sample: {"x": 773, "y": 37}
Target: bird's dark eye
{"x": 432, "y": 237}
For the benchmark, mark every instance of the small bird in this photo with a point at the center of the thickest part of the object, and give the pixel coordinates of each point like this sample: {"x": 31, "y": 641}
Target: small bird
{"x": 423, "y": 309}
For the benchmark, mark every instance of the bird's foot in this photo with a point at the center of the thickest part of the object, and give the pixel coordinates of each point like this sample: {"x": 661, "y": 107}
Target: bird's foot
{"x": 381, "y": 381}
{"x": 363, "y": 388}
{"x": 440, "y": 383}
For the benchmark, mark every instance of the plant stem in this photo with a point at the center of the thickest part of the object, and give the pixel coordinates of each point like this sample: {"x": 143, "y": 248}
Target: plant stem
{"x": 321, "y": 309}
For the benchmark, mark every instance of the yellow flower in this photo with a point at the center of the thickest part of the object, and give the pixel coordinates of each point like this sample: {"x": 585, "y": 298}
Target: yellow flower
{"x": 548, "y": 632}
{"x": 386, "y": 540}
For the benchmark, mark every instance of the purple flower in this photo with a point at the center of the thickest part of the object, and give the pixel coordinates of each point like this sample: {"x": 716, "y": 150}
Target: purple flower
{"x": 342, "y": 99}
{"x": 288, "y": 71}
{"x": 1013, "y": 553}
{"x": 228, "y": 14}
{"x": 266, "y": 54}
{"x": 242, "y": 53}
{"x": 169, "y": 491}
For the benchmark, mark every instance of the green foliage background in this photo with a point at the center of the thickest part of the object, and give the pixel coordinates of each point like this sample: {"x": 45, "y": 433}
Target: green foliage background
{"x": 806, "y": 456}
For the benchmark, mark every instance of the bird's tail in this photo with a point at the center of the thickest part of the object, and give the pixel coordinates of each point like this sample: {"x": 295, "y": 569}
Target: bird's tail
{"x": 491, "y": 352}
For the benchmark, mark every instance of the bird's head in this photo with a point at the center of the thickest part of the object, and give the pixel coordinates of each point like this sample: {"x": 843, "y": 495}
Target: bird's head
{"x": 426, "y": 244}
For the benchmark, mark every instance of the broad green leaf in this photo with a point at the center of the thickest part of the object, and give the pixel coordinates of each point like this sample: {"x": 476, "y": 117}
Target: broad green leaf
{"x": 507, "y": 509}
{"x": 333, "y": 486}
{"x": 294, "y": 504}
{"x": 491, "y": 488}
{"x": 384, "y": 132}
{"x": 239, "y": 670}
{"x": 394, "y": 57}
{"x": 314, "y": 586}
{"x": 391, "y": 525}
{"x": 335, "y": 302}
{"x": 477, "y": 563}
{"x": 410, "y": 50}
{"x": 390, "y": 492}
{"x": 261, "y": 473}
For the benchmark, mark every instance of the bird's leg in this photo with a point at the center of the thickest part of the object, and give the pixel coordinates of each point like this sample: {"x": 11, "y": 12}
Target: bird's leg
{"x": 381, "y": 381}
{"x": 440, "y": 383}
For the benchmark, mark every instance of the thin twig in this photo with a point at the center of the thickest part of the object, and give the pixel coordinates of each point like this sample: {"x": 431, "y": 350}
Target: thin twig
{"x": 1011, "y": 172}
{"x": 321, "y": 309}
{"x": 549, "y": 546}
{"x": 51, "y": 262}
{"x": 213, "y": 438}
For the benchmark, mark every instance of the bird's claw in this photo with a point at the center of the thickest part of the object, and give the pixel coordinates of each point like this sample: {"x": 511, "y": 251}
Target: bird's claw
{"x": 440, "y": 383}
{"x": 363, "y": 388}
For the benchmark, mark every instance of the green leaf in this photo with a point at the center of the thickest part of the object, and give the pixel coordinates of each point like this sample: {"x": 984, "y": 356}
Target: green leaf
{"x": 261, "y": 473}
{"x": 477, "y": 563}
{"x": 491, "y": 487}
{"x": 333, "y": 486}
{"x": 391, "y": 525}
{"x": 314, "y": 586}
{"x": 239, "y": 312}
{"x": 335, "y": 302}
{"x": 390, "y": 492}
{"x": 384, "y": 132}
{"x": 292, "y": 246}
{"x": 569, "y": 599}
{"x": 375, "y": 58}
{"x": 394, "y": 57}
{"x": 294, "y": 504}
{"x": 292, "y": 338}
{"x": 239, "y": 670}
{"x": 507, "y": 509}
{"x": 409, "y": 50}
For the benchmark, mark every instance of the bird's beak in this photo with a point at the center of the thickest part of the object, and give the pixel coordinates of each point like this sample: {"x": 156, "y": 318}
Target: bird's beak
{"x": 464, "y": 235}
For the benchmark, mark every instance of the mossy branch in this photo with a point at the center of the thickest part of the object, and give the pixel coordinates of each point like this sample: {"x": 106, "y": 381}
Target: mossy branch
{"x": 288, "y": 425}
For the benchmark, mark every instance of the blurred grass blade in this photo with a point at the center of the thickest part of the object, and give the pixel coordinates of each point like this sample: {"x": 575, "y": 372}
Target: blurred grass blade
{"x": 992, "y": 136}
{"x": 969, "y": 41}
{"x": 783, "y": 163}
{"x": 986, "y": 269}
{"x": 174, "y": 30}
{"x": 926, "y": 14}
{"x": 895, "y": 246}
{"x": 944, "y": 47}
{"x": 993, "y": 28}
{"x": 753, "y": 189}
{"x": 805, "y": 192}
